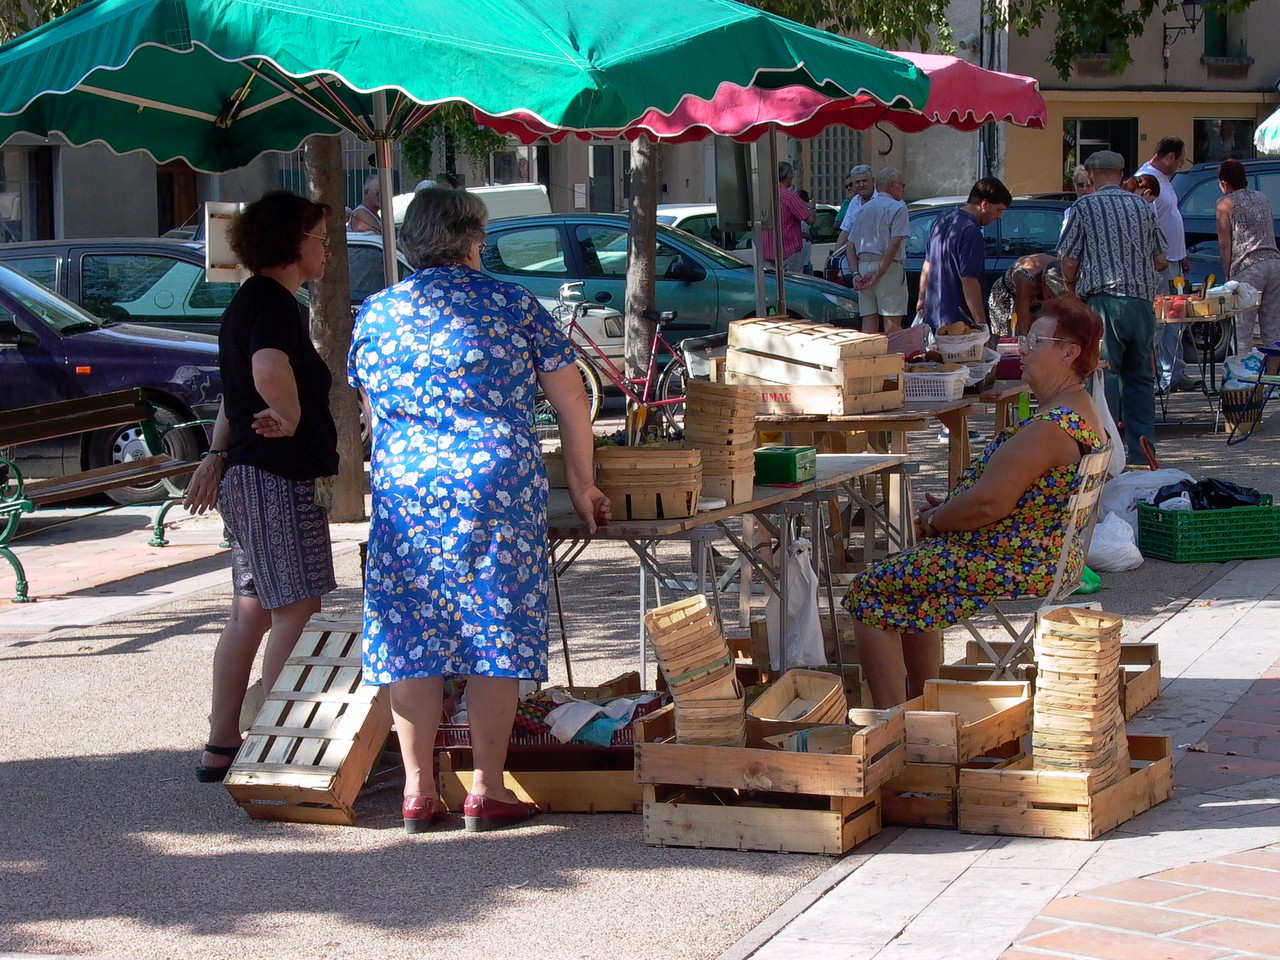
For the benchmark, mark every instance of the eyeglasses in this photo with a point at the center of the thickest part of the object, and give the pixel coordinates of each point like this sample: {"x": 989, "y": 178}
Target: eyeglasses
{"x": 1028, "y": 343}
{"x": 316, "y": 236}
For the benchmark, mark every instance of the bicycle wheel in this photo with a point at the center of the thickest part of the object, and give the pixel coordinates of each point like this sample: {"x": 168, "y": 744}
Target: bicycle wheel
{"x": 671, "y": 386}
{"x": 544, "y": 414}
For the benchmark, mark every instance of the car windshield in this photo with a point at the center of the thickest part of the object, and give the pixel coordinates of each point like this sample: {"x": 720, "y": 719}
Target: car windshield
{"x": 62, "y": 315}
{"x": 666, "y": 218}
{"x": 678, "y": 238}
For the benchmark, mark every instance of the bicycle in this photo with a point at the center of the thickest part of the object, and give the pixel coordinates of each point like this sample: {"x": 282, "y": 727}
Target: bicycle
{"x": 662, "y": 390}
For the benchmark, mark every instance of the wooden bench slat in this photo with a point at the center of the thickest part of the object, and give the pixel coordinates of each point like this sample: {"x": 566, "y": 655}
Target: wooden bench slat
{"x": 73, "y": 423}
{"x": 129, "y": 473}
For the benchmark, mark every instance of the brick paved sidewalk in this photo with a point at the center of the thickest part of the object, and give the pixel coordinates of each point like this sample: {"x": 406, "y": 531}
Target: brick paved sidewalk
{"x": 1212, "y": 910}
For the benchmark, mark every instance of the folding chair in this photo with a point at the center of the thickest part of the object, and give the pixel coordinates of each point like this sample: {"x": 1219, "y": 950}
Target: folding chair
{"x": 1082, "y": 514}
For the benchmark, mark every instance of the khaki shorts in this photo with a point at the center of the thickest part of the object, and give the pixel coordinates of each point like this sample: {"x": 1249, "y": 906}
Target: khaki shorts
{"x": 888, "y": 298}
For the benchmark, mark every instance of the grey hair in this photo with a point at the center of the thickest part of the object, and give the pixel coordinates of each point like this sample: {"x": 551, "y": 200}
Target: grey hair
{"x": 885, "y": 177}
{"x": 860, "y": 170}
{"x": 440, "y": 226}
{"x": 784, "y": 170}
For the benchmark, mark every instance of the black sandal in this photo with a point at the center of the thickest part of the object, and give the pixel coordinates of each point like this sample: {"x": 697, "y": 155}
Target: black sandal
{"x": 216, "y": 774}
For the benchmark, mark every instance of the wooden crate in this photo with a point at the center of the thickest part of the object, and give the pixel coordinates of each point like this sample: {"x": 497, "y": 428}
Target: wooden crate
{"x": 317, "y": 736}
{"x": 1139, "y": 662}
{"x": 866, "y": 385}
{"x": 954, "y": 720}
{"x": 818, "y": 344}
{"x": 925, "y": 794}
{"x": 557, "y": 780}
{"x": 650, "y": 483}
{"x": 677, "y": 815}
{"x": 803, "y": 696}
{"x": 624, "y": 685}
{"x": 1021, "y": 802}
{"x": 876, "y": 755}
{"x": 732, "y": 488}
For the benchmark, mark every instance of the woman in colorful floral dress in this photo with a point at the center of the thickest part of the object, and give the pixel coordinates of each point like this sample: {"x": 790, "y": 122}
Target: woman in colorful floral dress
{"x": 1000, "y": 530}
{"x": 449, "y": 361}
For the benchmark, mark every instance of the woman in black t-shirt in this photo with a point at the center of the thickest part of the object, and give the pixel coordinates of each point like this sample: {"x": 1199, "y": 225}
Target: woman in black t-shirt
{"x": 274, "y": 452}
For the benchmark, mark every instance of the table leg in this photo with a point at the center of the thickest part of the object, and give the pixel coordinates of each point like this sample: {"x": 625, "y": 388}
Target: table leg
{"x": 957, "y": 424}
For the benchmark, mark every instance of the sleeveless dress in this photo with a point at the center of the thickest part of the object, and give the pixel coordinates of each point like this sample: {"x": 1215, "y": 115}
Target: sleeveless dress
{"x": 456, "y": 580}
{"x": 946, "y": 579}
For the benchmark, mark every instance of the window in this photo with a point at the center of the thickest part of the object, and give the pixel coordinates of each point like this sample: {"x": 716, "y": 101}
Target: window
{"x": 1083, "y": 137}
{"x": 1025, "y": 231}
{"x": 365, "y": 271}
{"x": 1201, "y": 200}
{"x": 831, "y": 154}
{"x": 535, "y": 251}
{"x": 43, "y": 270}
{"x": 1269, "y": 183}
{"x": 141, "y": 287}
{"x": 1218, "y": 140}
{"x": 604, "y": 250}
{"x": 26, "y": 193}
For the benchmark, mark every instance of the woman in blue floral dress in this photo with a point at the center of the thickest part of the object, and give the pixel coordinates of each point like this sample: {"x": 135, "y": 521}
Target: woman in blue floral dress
{"x": 449, "y": 362}
{"x": 1000, "y": 530}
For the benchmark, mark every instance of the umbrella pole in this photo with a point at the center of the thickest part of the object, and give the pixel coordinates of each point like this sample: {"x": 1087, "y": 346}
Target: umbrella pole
{"x": 382, "y": 155}
{"x": 778, "y": 271}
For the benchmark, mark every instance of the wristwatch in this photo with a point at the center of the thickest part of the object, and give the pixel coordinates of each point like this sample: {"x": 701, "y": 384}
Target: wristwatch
{"x": 214, "y": 453}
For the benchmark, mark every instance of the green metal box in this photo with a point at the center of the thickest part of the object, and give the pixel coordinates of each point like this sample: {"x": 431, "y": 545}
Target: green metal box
{"x": 786, "y": 464}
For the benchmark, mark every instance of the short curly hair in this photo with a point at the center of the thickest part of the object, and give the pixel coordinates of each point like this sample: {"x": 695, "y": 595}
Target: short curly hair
{"x": 268, "y": 232}
{"x": 440, "y": 226}
{"x": 1075, "y": 321}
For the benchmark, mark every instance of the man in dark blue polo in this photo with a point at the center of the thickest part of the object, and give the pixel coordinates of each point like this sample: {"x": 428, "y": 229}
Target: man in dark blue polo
{"x": 951, "y": 279}
{"x": 1111, "y": 251}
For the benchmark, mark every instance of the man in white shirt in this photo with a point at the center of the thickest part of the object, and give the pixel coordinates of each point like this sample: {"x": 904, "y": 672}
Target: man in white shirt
{"x": 864, "y": 185}
{"x": 1164, "y": 163}
{"x": 876, "y": 253}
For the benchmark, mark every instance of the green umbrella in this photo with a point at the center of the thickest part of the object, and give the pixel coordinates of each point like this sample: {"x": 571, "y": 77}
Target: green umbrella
{"x": 219, "y": 82}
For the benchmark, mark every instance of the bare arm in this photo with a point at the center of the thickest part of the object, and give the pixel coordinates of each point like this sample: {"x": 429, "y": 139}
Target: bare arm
{"x": 887, "y": 260}
{"x": 1023, "y": 290}
{"x": 924, "y": 285}
{"x": 564, "y": 389}
{"x": 1070, "y": 272}
{"x": 972, "y": 288}
{"x": 1032, "y": 452}
{"x": 1223, "y": 209}
{"x": 273, "y": 379}
{"x": 362, "y": 222}
{"x": 202, "y": 490}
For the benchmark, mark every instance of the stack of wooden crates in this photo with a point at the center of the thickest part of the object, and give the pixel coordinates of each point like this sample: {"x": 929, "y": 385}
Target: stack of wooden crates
{"x": 719, "y": 422}
{"x": 813, "y": 368}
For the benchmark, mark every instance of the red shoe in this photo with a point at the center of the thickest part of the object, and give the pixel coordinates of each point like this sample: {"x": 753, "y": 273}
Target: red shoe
{"x": 422, "y": 813}
{"x": 484, "y": 813}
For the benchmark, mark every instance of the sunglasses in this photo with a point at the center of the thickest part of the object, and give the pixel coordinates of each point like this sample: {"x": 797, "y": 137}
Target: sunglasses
{"x": 1028, "y": 343}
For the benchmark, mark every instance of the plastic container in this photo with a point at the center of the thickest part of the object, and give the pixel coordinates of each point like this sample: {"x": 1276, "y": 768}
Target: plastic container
{"x": 966, "y": 348}
{"x": 1206, "y": 536}
{"x": 948, "y": 385}
{"x": 980, "y": 370}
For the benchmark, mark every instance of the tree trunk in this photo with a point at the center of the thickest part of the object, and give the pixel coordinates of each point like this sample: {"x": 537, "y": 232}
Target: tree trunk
{"x": 642, "y": 236}
{"x": 331, "y": 327}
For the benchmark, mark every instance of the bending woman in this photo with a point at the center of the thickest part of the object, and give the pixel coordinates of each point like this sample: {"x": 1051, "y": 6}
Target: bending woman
{"x": 450, "y": 362}
{"x": 1000, "y": 530}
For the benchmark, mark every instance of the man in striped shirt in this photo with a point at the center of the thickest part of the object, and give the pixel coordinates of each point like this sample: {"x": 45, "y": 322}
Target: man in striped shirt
{"x": 1111, "y": 252}
{"x": 791, "y": 213}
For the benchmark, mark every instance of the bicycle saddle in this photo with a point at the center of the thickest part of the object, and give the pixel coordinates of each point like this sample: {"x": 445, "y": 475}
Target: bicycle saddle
{"x": 660, "y": 317}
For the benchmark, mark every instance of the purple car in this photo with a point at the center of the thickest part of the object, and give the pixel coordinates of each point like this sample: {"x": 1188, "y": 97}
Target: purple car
{"x": 50, "y": 349}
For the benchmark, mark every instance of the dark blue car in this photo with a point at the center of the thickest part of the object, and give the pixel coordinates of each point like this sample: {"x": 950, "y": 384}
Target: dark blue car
{"x": 53, "y": 350}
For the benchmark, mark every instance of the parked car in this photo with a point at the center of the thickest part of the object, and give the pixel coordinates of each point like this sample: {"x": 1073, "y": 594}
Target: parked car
{"x": 51, "y": 349}
{"x": 1198, "y": 195}
{"x": 160, "y": 281}
{"x": 706, "y": 285}
{"x": 702, "y": 220}
{"x": 1028, "y": 226}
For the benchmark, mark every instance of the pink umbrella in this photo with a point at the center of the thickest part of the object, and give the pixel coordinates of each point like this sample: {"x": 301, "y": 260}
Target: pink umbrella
{"x": 961, "y": 96}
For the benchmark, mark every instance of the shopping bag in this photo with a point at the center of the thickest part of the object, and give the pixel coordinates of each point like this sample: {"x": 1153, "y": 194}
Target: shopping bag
{"x": 1108, "y": 424}
{"x": 1121, "y": 494}
{"x": 804, "y": 631}
{"x": 1113, "y": 546}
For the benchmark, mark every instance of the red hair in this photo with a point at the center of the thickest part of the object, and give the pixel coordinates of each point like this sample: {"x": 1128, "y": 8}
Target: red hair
{"x": 1074, "y": 321}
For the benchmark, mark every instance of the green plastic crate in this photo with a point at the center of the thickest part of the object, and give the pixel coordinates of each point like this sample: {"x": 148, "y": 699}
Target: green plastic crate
{"x": 779, "y": 464}
{"x": 1204, "y": 536}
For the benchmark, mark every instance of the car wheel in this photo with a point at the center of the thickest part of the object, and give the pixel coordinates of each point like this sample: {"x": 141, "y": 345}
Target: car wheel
{"x": 121, "y": 444}
{"x": 1207, "y": 342}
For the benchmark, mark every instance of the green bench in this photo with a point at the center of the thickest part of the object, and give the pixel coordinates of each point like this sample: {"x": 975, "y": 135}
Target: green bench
{"x": 49, "y": 421}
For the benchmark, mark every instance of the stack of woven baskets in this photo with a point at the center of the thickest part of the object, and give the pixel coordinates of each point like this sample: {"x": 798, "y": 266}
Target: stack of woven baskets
{"x": 710, "y": 707}
{"x": 1078, "y": 723}
{"x": 719, "y": 421}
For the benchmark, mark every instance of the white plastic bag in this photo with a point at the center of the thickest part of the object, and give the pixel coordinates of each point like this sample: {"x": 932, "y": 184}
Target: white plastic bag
{"x": 1121, "y": 495}
{"x": 1099, "y": 394}
{"x": 804, "y": 632}
{"x": 1243, "y": 366}
{"x": 1113, "y": 546}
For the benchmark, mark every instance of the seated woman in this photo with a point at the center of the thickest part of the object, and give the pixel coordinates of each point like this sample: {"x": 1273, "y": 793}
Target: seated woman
{"x": 1000, "y": 530}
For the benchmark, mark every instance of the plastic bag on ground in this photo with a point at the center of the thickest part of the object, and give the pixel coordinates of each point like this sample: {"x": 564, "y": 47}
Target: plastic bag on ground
{"x": 804, "y": 632}
{"x": 1121, "y": 495}
{"x": 1090, "y": 582}
{"x": 1114, "y": 545}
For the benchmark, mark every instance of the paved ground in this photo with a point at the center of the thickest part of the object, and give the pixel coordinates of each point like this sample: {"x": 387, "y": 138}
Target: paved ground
{"x": 112, "y": 850}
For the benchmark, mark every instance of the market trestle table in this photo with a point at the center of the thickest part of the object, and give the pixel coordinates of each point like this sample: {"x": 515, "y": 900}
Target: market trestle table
{"x": 1208, "y": 368}
{"x": 774, "y": 505}
{"x": 887, "y": 433}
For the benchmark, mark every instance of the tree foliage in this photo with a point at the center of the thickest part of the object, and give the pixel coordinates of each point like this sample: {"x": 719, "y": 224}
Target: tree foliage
{"x": 453, "y": 125}
{"x": 19, "y": 16}
{"x": 1079, "y": 26}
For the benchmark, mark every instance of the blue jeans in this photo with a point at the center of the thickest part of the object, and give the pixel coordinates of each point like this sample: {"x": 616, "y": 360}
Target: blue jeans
{"x": 1168, "y": 346}
{"x": 1129, "y": 327}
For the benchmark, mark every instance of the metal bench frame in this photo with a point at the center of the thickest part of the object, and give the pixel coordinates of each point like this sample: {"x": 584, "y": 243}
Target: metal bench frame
{"x": 49, "y": 421}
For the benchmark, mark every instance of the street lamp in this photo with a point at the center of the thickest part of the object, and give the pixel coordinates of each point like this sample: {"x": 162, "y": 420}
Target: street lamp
{"x": 1193, "y": 14}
